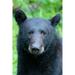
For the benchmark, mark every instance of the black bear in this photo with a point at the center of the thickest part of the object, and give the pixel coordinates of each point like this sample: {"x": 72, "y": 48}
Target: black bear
{"x": 39, "y": 46}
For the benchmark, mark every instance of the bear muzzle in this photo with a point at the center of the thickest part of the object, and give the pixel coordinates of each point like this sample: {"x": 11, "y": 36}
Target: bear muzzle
{"x": 36, "y": 50}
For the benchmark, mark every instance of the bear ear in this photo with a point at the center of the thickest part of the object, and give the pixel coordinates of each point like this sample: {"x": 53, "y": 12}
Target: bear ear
{"x": 55, "y": 20}
{"x": 19, "y": 15}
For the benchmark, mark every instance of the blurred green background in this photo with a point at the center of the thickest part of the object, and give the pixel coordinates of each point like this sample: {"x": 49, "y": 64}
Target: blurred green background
{"x": 35, "y": 8}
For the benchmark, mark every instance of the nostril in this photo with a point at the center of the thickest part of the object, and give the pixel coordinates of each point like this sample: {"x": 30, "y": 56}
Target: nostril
{"x": 35, "y": 49}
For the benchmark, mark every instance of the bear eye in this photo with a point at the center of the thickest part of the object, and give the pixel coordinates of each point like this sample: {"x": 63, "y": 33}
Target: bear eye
{"x": 43, "y": 32}
{"x": 31, "y": 32}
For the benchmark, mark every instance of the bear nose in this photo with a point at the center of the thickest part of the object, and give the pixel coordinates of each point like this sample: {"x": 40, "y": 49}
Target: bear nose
{"x": 35, "y": 50}
{"x": 36, "y": 46}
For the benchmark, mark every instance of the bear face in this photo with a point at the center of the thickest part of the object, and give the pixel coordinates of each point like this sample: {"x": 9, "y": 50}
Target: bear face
{"x": 36, "y": 34}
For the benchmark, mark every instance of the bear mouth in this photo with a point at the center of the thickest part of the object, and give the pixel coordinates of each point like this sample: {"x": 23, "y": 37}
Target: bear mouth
{"x": 36, "y": 51}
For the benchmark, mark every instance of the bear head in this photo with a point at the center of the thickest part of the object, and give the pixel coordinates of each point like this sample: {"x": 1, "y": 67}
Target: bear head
{"x": 35, "y": 34}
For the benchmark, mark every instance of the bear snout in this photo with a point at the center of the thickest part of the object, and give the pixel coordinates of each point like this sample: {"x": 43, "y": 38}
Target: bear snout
{"x": 36, "y": 50}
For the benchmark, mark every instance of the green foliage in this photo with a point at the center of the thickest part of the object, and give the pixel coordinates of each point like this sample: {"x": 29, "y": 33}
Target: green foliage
{"x": 39, "y": 8}
{"x": 15, "y": 32}
{"x": 35, "y": 8}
